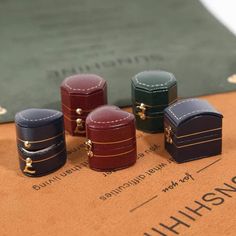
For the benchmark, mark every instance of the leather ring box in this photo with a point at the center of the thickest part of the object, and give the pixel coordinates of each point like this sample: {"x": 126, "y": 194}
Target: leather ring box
{"x": 193, "y": 130}
{"x": 40, "y": 141}
{"x": 152, "y": 92}
{"x": 80, "y": 94}
{"x": 111, "y": 139}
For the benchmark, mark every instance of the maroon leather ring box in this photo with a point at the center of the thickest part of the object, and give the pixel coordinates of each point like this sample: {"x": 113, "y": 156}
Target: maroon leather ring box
{"x": 80, "y": 94}
{"x": 193, "y": 130}
{"x": 111, "y": 139}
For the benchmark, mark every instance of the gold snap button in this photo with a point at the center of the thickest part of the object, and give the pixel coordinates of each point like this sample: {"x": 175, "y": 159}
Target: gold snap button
{"x": 27, "y": 144}
{"x": 79, "y": 111}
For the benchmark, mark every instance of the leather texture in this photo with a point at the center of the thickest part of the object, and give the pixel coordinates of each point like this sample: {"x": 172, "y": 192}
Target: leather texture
{"x": 156, "y": 90}
{"x": 154, "y": 80}
{"x": 195, "y": 130}
{"x": 34, "y": 118}
{"x": 187, "y": 108}
{"x": 112, "y": 133}
{"x": 83, "y": 84}
{"x": 40, "y": 138}
{"x": 83, "y": 91}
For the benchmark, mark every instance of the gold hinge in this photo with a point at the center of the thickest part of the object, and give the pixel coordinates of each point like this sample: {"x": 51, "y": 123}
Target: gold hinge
{"x": 141, "y": 111}
{"x": 88, "y": 147}
{"x": 28, "y": 166}
{"x": 79, "y": 126}
{"x": 168, "y": 134}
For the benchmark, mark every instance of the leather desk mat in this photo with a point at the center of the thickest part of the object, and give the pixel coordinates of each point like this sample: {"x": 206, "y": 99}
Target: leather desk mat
{"x": 198, "y": 197}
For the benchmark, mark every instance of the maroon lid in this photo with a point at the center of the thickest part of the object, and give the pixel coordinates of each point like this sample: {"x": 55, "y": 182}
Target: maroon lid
{"x": 107, "y": 117}
{"x": 82, "y": 93}
{"x": 110, "y": 123}
{"x": 83, "y": 84}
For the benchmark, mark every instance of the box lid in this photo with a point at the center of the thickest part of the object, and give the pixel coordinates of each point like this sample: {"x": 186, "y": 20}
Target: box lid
{"x": 83, "y": 84}
{"x": 110, "y": 124}
{"x": 154, "y": 80}
{"x": 33, "y": 118}
{"x": 107, "y": 117}
{"x": 186, "y": 109}
{"x": 39, "y": 128}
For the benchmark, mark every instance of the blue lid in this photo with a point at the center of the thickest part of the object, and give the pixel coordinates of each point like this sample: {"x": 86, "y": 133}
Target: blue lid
{"x": 33, "y": 118}
{"x": 186, "y": 109}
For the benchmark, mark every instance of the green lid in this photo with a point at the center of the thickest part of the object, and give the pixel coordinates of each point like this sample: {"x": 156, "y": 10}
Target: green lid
{"x": 154, "y": 80}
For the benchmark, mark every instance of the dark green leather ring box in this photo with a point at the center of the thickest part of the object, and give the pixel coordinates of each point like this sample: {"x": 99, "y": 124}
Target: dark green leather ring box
{"x": 152, "y": 92}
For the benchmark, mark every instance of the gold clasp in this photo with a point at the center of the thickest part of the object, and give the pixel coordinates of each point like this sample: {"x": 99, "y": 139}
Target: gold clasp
{"x": 141, "y": 111}
{"x": 168, "y": 133}
{"x": 79, "y": 126}
{"x": 88, "y": 147}
{"x": 28, "y": 166}
{"x": 27, "y": 144}
{"x": 79, "y": 111}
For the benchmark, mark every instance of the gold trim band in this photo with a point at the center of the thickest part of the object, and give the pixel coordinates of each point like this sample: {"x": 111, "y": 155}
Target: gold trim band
{"x": 45, "y": 159}
{"x": 188, "y": 145}
{"x": 120, "y": 141}
{"x": 201, "y": 132}
{"x": 68, "y": 118}
{"x": 120, "y": 154}
{"x": 138, "y": 103}
{"x": 150, "y": 117}
{"x": 192, "y": 134}
{"x": 40, "y": 141}
{"x": 76, "y": 108}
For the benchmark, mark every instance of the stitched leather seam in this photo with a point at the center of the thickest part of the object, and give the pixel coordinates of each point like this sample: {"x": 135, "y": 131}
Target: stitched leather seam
{"x": 189, "y": 113}
{"x": 155, "y": 85}
{"x": 45, "y": 118}
{"x": 111, "y": 121}
{"x": 79, "y": 89}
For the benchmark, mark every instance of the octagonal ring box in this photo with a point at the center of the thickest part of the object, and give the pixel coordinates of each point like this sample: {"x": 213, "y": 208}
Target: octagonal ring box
{"x": 80, "y": 94}
{"x": 111, "y": 139}
{"x": 40, "y": 141}
{"x": 193, "y": 130}
{"x": 152, "y": 92}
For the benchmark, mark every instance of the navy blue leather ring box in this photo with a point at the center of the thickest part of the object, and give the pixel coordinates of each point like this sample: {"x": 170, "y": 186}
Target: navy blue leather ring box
{"x": 40, "y": 141}
{"x": 193, "y": 130}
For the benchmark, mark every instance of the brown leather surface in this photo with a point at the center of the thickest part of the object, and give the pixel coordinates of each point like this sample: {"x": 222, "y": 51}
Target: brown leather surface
{"x": 136, "y": 201}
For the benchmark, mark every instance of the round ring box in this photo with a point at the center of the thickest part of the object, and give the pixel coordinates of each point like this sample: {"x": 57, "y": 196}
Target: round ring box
{"x": 111, "y": 139}
{"x": 80, "y": 94}
{"x": 193, "y": 130}
{"x": 40, "y": 141}
{"x": 152, "y": 92}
